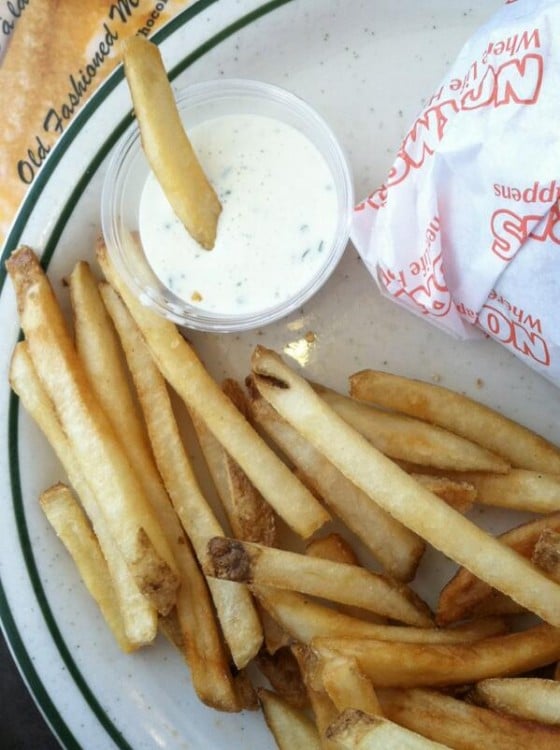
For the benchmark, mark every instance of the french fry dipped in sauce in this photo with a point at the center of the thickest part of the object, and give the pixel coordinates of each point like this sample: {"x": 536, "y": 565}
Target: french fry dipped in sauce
{"x": 166, "y": 144}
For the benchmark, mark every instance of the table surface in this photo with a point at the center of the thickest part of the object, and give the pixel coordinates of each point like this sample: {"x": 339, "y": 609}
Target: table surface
{"x": 15, "y": 734}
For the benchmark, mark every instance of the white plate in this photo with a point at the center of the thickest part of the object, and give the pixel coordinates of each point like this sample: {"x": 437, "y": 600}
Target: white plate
{"x": 367, "y": 68}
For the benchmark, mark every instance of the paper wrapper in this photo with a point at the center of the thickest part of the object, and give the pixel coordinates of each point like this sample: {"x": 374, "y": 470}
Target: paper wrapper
{"x": 465, "y": 231}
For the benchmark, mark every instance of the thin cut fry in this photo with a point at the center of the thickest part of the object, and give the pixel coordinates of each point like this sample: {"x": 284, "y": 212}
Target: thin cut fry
{"x": 391, "y": 664}
{"x": 305, "y": 619}
{"x": 521, "y": 489}
{"x": 464, "y": 726}
{"x": 526, "y": 697}
{"x": 127, "y": 510}
{"x": 183, "y": 370}
{"x": 467, "y": 596}
{"x": 139, "y": 616}
{"x": 236, "y": 612}
{"x": 323, "y": 708}
{"x": 396, "y": 548}
{"x": 291, "y": 728}
{"x": 347, "y": 686}
{"x": 408, "y": 439}
{"x": 520, "y": 446}
{"x": 233, "y": 560}
{"x": 250, "y": 517}
{"x": 165, "y": 143}
{"x": 73, "y": 529}
{"x": 399, "y": 494}
{"x": 356, "y": 730}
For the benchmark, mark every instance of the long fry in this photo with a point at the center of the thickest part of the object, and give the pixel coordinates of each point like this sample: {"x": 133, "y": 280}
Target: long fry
{"x": 408, "y": 439}
{"x": 183, "y": 370}
{"x": 521, "y": 489}
{"x": 291, "y": 727}
{"x": 139, "y": 616}
{"x": 72, "y": 527}
{"x": 529, "y": 698}
{"x": 166, "y": 144}
{"x": 127, "y": 510}
{"x": 391, "y": 664}
{"x": 234, "y": 560}
{"x": 305, "y": 619}
{"x": 355, "y": 730}
{"x": 462, "y": 725}
{"x": 399, "y": 494}
{"x": 459, "y": 414}
{"x": 236, "y": 611}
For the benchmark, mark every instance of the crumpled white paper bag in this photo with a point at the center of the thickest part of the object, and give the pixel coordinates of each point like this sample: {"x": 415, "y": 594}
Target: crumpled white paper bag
{"x": 465, "y": 231}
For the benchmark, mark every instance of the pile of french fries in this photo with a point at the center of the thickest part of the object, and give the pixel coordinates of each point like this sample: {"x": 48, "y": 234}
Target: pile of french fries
{"x": 347, "y": 654}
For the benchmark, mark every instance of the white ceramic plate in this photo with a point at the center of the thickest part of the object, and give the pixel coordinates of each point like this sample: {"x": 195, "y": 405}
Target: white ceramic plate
{"x": 366, "y": 67}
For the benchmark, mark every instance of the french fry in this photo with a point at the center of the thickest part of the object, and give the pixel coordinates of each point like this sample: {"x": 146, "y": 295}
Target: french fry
{"x": 397, "y": 493}
{"x": 290, "y": 727}
{"x": 462, "y": 725}
{"x": 139, "y": 616}
{"x": 73, "y": 529}
{"x": 409, "y": 439}
{"x": 126, "y": 509}
{"x": 356, "y": 730}
{"x": 166, "y": 144}
{"x": 324, "y": 710}
{"x": 233, "y": 560}
{"x": 520, "y": 489}
{"x": 250, "y": 517}
{"x": 467, "y": 596}
{"x": 392, "y": 664}
{"x": 305, "y": 620}
{"x": 459, "y": 414}
{"x": 526, "y": 697}
{"x": 397, "y": 549}
{"x": 236, "y": 612}
{"x": 347, "y": 686}
{"x": 186, "y": 374}
{"x": 282, "y": 671}
{"x": 546, "y": 554}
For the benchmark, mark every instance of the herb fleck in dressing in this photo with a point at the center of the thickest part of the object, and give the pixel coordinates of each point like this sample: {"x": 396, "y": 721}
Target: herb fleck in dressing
{"x": 279, "y": 216}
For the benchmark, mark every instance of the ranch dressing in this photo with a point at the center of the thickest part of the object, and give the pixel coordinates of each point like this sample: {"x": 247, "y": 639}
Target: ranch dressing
{"x": 279, "y": 215}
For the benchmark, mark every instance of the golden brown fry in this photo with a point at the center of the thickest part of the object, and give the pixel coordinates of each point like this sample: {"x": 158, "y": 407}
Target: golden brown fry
{"x": 292, "y": 729}
{"x": 233, "y": 560}
{"x": 250, "y": 517}
{"x": 521, "y": 489}
{"x": 139, "y": 616}
{"x": 356, "y": 730}
{"x": 408, "y": 439}
{"x": 347, "y": 686}
{"x": 323, "y": 708}
{"x": 234, "y": 606}
{"x": 166, "y": 144}
{"x": 305, "y": 619}
{"x": 282, "y": 671}
{"x": 73, "y": 529}
{"x": 392, "y": 664}
{"x": 529, "y": 698}
{"x": 183, "y": 370}
{"x": 520, "y": 446}
{"x": 466, "y": 595}
{"x": 461, "y": 725}
{"x": 401, "y": 495}
{"x": 127, "y": 510}
{"x": 396, "y": 548}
